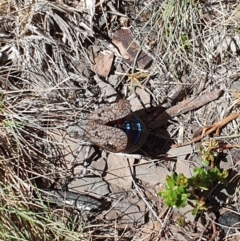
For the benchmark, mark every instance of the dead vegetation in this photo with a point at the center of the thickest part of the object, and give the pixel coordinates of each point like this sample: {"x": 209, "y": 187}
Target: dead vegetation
{"x": 60, "y": 60}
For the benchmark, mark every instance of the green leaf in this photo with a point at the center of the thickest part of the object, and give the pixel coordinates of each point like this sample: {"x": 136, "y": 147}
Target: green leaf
{"x": 170, "y": 181}
{"x": 195, "y": 211}
{"x": 171, "y": 198}
{"x": 182, "y": 180}
{"x": 181, "y": 221}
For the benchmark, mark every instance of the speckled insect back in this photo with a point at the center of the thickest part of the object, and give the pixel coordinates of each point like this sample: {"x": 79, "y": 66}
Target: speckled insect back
{"x": 114, "y": 128}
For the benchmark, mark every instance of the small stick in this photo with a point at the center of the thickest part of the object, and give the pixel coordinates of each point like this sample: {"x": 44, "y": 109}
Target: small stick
{"x": 156, "y": 120}
{"x": 210, "y": 129}
{"x": 214, "y": 234}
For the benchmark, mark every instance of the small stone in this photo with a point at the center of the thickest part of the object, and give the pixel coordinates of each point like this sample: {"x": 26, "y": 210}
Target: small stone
{"x": 230, "y": 219}
{"x": 93, "y": 185}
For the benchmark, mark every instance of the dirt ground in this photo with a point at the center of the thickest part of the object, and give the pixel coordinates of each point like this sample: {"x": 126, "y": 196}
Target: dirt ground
{"x": 72, "y": 71}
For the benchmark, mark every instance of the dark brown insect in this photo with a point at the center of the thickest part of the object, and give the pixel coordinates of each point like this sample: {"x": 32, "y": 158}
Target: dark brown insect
{"x": 114, "y": 128}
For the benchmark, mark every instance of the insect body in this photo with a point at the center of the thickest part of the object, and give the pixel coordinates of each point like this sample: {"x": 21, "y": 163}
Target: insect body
{"x": 114, "y": 128}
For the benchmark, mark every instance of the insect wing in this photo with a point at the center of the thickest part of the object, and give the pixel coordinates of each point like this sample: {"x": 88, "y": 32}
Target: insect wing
{"x": 111, "y": 112}
{"x": 110, "y": 138}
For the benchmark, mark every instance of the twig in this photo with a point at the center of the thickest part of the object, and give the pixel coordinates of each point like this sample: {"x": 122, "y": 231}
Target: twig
{"x": 156, "y": 120}
{"x": 214, "y": 232}
{"x": 144, "y": 199}
{"x": 210, "y": 129}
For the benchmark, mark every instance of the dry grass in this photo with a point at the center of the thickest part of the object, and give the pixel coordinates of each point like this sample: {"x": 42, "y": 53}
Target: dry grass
{"x": 46, "y": 85}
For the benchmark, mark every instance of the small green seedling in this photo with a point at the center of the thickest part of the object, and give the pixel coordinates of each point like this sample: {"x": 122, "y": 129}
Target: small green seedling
{"x": 176, "y": 191}
{"x": 180, "y": 190}
{"x": 208, "y": 153}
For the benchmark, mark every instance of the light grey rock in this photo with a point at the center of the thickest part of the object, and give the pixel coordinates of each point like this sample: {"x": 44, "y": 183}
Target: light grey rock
{"x": 93, "y": 185}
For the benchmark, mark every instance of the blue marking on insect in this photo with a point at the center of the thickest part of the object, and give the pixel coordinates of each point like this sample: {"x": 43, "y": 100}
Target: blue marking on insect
{"x": 114, "y": 128}
{"x": 132, "y": 126}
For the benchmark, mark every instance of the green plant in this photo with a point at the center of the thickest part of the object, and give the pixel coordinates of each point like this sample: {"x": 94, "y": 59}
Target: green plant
{"x": 180, "y": 190}
{"x": 176, "y": 191}
{"x": 208, "y": 152}
{"x": 12, "y": 124}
